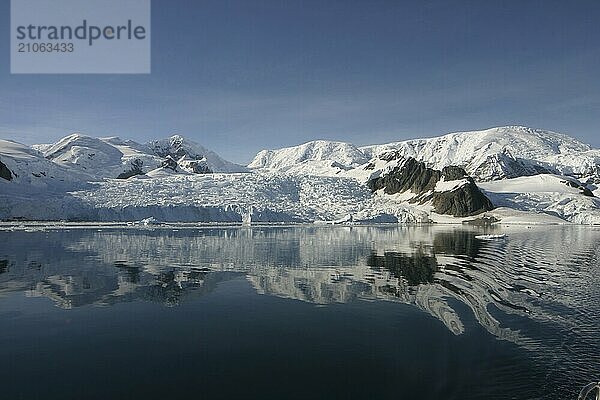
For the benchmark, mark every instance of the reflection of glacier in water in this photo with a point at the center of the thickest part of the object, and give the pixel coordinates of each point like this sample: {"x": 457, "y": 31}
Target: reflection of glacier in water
{"x": 419, "y": 265}
{"x": 537, "y": 288}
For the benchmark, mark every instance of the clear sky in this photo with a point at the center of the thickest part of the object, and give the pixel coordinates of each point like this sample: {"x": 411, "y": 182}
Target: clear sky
{"x": 238, "y": 76}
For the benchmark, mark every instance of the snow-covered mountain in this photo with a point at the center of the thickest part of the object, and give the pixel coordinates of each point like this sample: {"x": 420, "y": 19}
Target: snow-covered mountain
{"x": 491, "y": 154}
{"x": 99, "y": 158}
{"x": 525, "y": 175}
{"x": 112, "y": 157}
{"x": 320, "y": 157}
{"x": 498, "y": 153}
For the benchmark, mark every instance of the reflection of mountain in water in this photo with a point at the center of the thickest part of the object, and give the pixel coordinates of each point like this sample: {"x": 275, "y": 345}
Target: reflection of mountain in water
{"x": 77, "y": 277}
{"x": 129, "y": 283}
{"x": 530, "y": 275}
{"x": 415, "y": 269}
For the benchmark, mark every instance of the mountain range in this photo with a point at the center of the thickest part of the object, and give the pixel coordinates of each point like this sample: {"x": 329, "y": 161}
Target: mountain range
{"x": 511, "y": 174}
{"x": 491, "y": 154}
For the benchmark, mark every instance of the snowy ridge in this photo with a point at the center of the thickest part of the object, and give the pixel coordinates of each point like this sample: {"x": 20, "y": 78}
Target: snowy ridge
{"x": 522, "y": 141}
{"x": 499, "y": 153}
{"x": 319, "y": 157}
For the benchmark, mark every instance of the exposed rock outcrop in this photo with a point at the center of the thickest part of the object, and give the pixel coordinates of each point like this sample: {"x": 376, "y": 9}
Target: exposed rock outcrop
{"x": 578, "y": 185}
{"x": 199, "y": 166}
{"x": 136, "y": 169}
{"x": 451, "y": 191}
{"x": 5, "y": 172}
{"x": 169, "y": 163}
{"x": 465, "y": 201}
{"x": 412, "y": 176}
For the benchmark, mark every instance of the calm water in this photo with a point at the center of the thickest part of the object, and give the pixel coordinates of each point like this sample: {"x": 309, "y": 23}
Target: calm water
{"x": 299, "y": 312}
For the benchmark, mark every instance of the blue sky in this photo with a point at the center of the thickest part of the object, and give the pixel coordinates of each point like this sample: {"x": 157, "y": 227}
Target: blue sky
{"x": 240, "y": 76}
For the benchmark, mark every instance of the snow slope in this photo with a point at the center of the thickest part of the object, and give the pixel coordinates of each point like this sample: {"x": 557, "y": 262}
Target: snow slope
{"x": 29, "y": 167}
{"x": 547, "y": 194}
{"x": 319, "y": 157}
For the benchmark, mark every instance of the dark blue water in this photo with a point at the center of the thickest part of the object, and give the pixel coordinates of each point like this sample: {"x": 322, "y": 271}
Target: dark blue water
{"x": 298, "y": 312}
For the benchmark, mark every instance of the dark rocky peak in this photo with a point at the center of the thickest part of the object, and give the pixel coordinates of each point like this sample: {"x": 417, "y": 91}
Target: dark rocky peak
{"x": 177, "y": 147}
{"x": 460, "y": 200}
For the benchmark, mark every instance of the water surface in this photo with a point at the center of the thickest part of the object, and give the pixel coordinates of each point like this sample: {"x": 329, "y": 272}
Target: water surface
{"x": 299, "y": 312}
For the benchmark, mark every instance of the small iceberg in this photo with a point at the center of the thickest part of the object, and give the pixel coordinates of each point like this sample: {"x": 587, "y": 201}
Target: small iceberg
{"x": 490, "y": 237}
{"x": 145, "y": 222}
{"x": 347, "y": 219}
